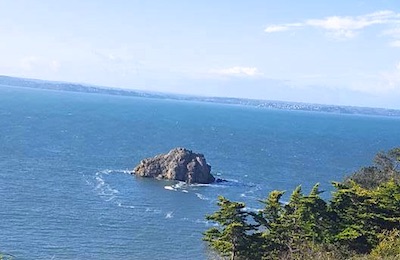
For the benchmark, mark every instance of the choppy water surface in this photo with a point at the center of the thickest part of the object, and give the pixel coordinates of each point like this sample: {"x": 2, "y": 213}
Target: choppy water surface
{"x": 66, "y": 192}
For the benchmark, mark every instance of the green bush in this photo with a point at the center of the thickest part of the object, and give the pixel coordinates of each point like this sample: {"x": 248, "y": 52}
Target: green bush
{"x": 389, "y": 245}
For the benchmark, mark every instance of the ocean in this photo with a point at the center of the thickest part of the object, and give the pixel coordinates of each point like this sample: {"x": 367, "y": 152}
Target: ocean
{"x": 65, "y": 158}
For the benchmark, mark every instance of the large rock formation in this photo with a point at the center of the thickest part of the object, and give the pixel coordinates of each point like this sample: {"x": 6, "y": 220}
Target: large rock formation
{"x": 179, "y": 164}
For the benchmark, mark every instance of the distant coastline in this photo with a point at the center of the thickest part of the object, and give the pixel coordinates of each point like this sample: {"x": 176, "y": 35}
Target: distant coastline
{"x": 271, "y": 104}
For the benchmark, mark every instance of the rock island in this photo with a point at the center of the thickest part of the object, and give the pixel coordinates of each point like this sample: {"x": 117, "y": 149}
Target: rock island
{"x": 178, "y": 164}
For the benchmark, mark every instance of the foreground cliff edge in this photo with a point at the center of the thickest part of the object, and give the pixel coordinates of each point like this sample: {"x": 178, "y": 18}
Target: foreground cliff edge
{"x": 179, "y": 164}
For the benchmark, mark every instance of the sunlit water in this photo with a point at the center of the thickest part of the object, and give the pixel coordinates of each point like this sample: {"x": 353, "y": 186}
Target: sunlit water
{"x": 66, "y": 191}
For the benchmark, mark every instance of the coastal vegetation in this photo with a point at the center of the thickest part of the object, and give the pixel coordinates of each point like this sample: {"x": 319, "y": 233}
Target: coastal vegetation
{"x": 360, "y": 221}
{"x": 4, "y": 256}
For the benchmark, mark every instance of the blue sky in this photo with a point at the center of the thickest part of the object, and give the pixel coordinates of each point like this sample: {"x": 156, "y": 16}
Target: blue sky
{"x": 335, "y": 52}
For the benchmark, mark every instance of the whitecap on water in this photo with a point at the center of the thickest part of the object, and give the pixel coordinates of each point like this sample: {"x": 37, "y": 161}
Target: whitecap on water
{"x": 206, "y": 223}
{"x": 169, "y": 214}
{"x": 152, "y": 210}
{"x": 178, "y": 186}
{"x": 104, "y": 189}
{"x": 169, "y": 188}
{"x": 125, "y": 206}
{"x": 201, "y": 196}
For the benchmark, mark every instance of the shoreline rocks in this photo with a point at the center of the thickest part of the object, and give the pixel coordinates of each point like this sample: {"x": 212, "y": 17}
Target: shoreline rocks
{"x": 178, "y": 164}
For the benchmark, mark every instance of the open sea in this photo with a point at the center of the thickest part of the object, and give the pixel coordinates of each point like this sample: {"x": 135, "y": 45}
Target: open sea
{"x": 65, "y": 158}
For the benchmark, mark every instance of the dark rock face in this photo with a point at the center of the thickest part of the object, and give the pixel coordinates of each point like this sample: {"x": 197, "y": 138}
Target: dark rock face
{"x": 178, "y": 164}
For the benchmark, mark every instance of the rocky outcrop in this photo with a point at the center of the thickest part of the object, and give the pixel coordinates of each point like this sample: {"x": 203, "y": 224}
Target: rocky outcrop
{"x": 178, "y": 164}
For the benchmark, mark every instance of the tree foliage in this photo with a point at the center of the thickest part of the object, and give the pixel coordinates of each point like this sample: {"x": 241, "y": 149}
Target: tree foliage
{"x": 233, "y": 238}
{"x": 363, "y": 216}
{"x": 386, "y": 167}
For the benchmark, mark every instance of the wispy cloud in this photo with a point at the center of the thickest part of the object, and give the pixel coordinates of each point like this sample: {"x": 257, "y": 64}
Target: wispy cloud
{"x": 342, "y": 27}
{"x": 34, "y": 63}
{"x": 118, "y": 61}
{"x": 239, "y": 71}
{"x": 29, "y": 62}
{"x": 393, "y": 33}
{"x": 282, "y": 27}
{"x": 391, "y": 79}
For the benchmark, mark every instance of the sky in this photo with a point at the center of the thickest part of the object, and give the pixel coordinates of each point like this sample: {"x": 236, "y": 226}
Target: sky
{"x": 330, "y": 52}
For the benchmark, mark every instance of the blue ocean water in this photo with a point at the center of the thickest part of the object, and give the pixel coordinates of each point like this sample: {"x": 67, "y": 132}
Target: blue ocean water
{"x": 65, "y": 191}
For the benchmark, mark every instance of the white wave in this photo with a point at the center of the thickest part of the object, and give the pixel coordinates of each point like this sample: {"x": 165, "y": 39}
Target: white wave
{"x": 125, "y": 206}
{"x": 201, "y": 196}
{"x": 200, "y": 185}
{"x": 102, "y": 188}
{"x": 169, "y": 214}
{"x": 185, "y": 191}
{"x": 206, "y": 223}
{"x": 155, "y": 211}
{"x": 110, "y": 171}
{"x": 211, "y": 185}
{"x": 233, "y": 180}
{"x": 170, "y": 188}
{"x": 180, "y": 185}
{"x": 202, "y": 221}
{"x": 106, "y": 171}
{"x": 110, "y": 198}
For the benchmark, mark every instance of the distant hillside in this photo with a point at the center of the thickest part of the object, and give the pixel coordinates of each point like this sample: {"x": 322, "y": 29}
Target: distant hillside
{"x": 67, "y": 86}
{"x": 74, "y": 87}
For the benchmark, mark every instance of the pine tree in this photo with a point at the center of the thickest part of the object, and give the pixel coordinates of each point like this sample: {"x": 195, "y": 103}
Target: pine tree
{"x": 362, "y": 214}
{"x": 232, "y": 237}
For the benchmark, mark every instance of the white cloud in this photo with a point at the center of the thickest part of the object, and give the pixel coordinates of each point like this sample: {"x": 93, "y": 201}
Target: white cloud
{"x": 276, "y": 28}
{"x": 36, "y": 63}
{"x": 119, "y": 61}
{"x": 342, "y": 26}
{"x": 281, "y": 28}
{"x": 395, "y": 32}
{"x": 111, "y": 56}
{"x": 380, "y": 83}
{"x": 239, "y": 71}
{"x": 54, "y": 65}
{"x": 28, "y": 63}
{"x": 395, "y": 43}
{"x": 347, "y": 26}
{"x": 395, "y": 35}
{"x": 391, "y": 79}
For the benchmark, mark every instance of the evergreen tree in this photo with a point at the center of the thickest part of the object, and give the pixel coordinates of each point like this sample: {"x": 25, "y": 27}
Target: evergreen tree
{"x": 362, "y": 214}
{"x": 386, "y": 167}
{"x": 232, "y": 237}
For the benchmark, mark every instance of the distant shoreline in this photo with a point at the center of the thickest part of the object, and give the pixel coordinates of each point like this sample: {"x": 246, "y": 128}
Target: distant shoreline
{"x": 270, "y": 104}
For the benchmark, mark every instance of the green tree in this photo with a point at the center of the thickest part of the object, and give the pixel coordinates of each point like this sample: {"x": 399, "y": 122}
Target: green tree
{"x": 268, "y": 221}
{"x": 304, "y": 220}
{"x": 232, "y": 237}
{"x": 361, "y": 214}
{"x": 386, "y": 167}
